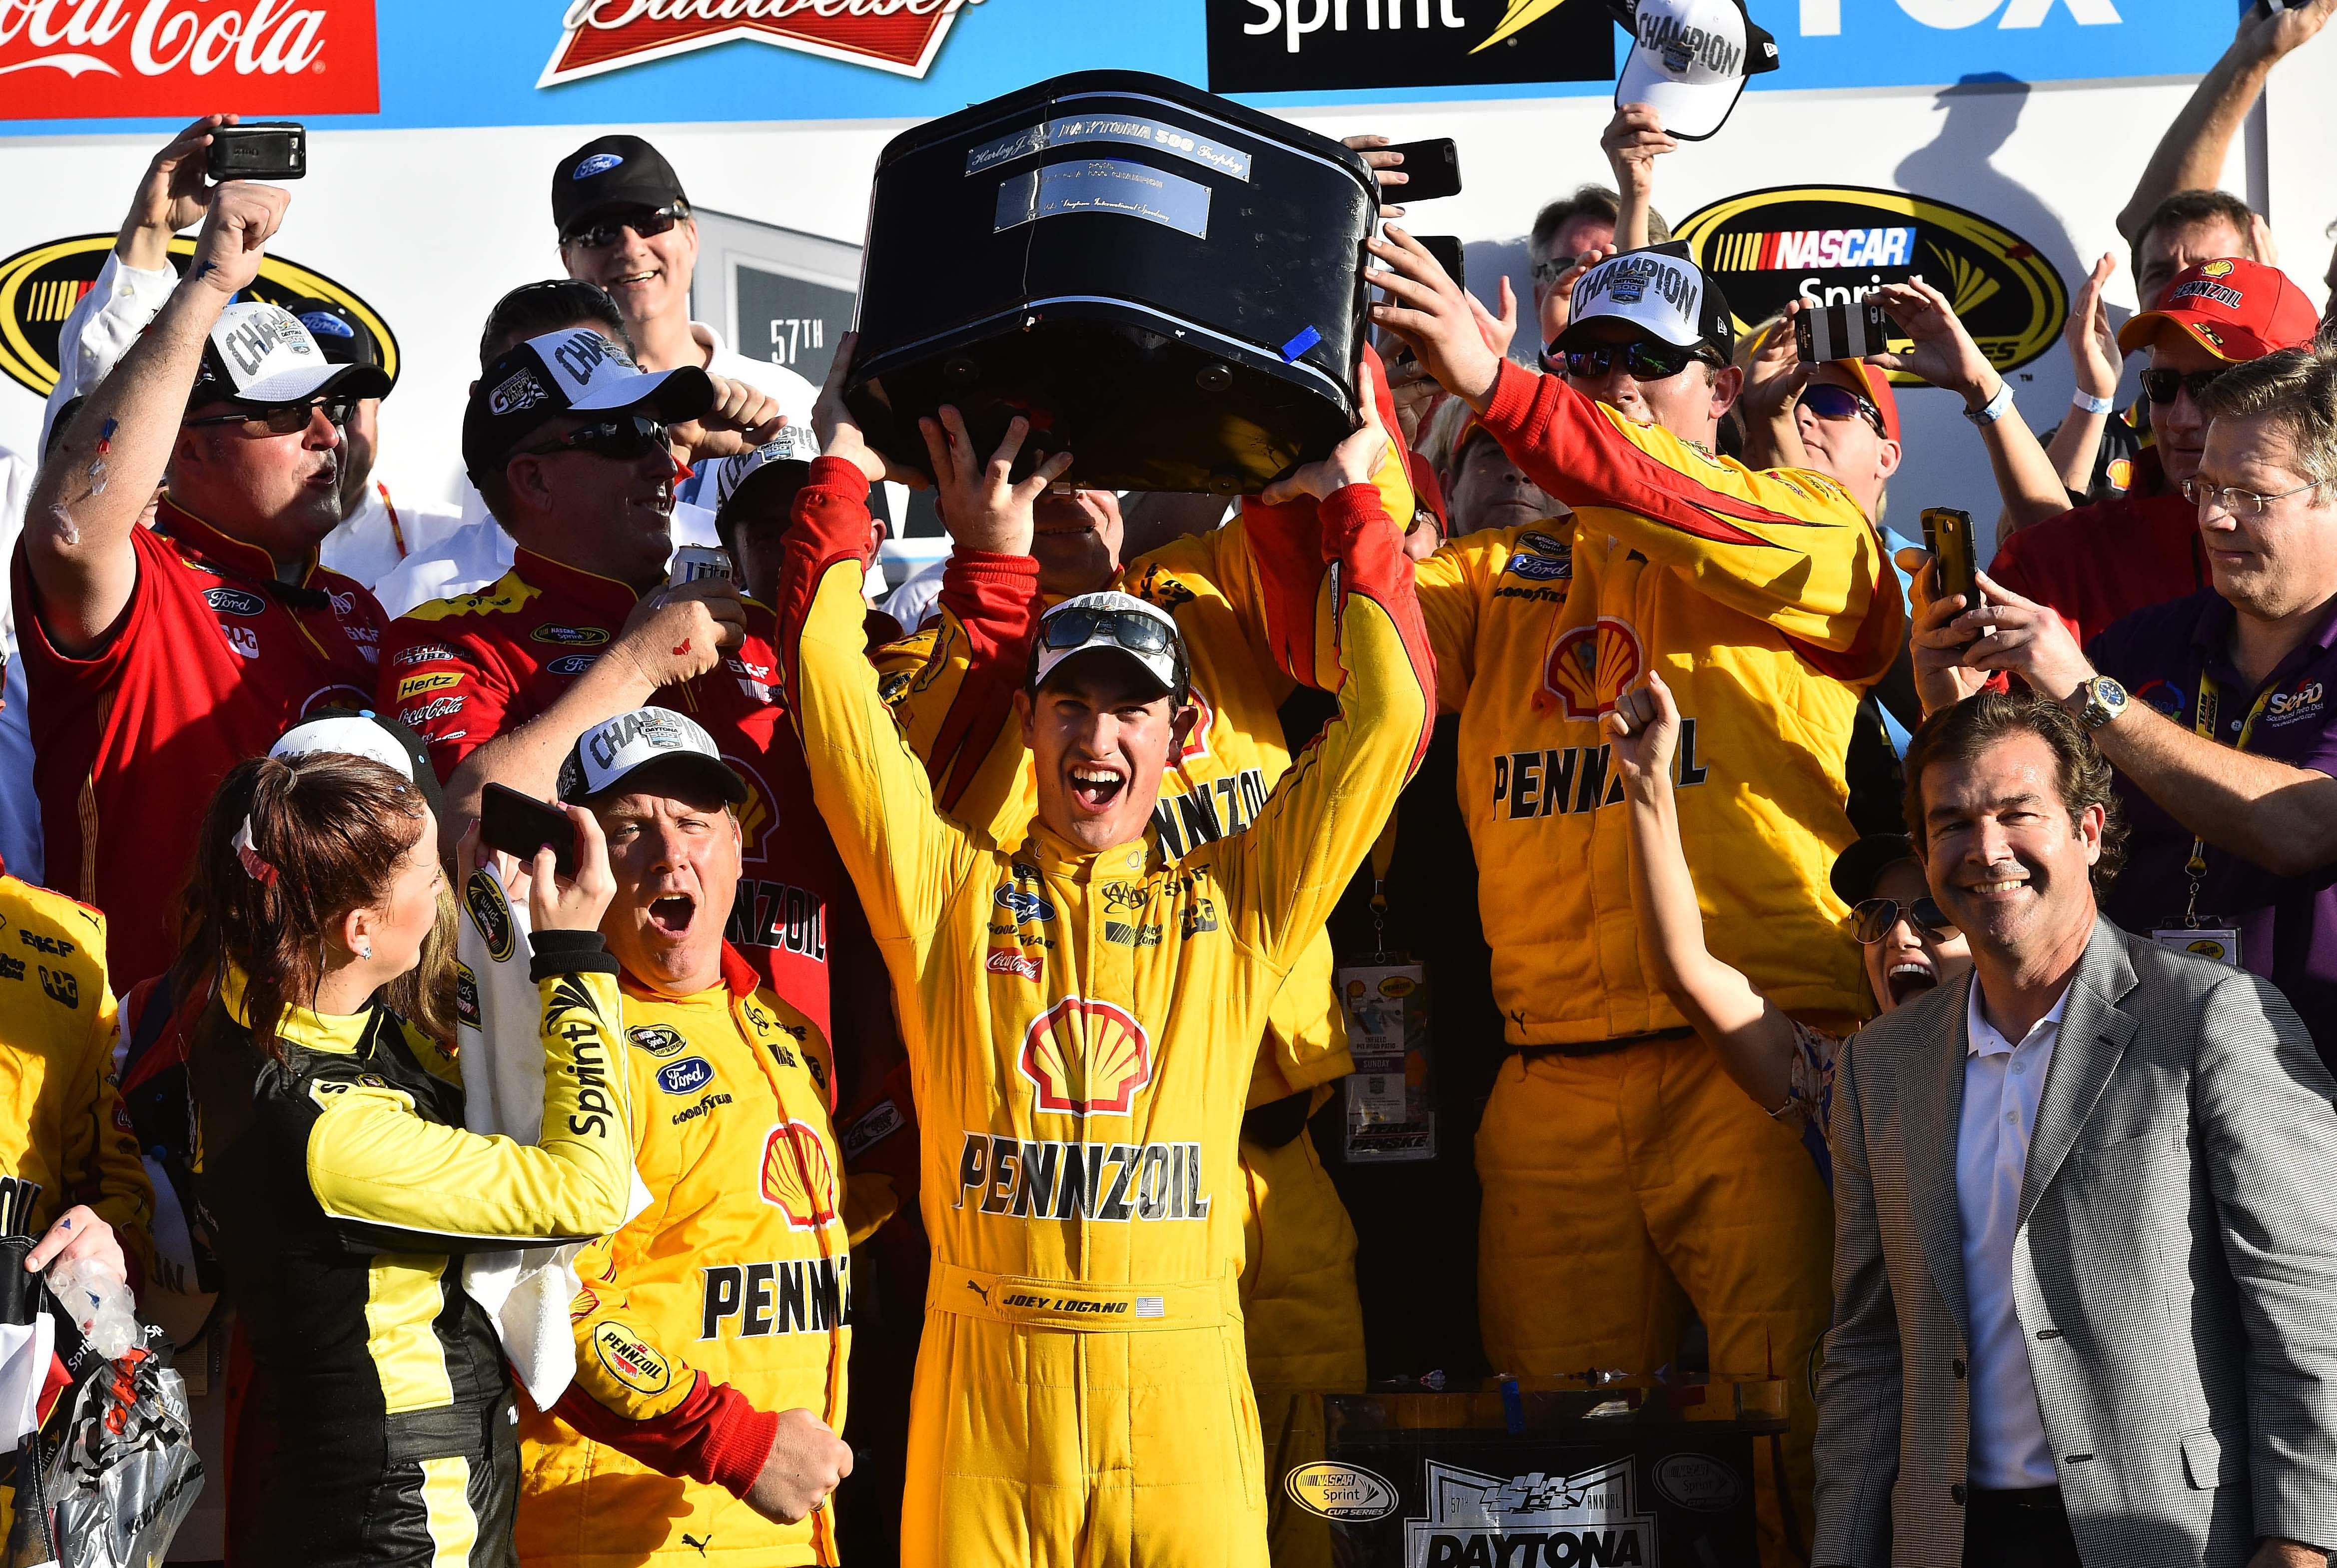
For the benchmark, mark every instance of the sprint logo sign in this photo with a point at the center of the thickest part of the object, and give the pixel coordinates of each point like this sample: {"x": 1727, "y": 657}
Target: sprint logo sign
{"x": 1478, "y": 1520}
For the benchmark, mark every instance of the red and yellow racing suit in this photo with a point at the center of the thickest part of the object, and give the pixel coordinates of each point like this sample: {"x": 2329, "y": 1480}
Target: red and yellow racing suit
{"x": 1082, "y": 1028}
{"x": 1619, "y": 1165}
{"x": 725, "y": 1301}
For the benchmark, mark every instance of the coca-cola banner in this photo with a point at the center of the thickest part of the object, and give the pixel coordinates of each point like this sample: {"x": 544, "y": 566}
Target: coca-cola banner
{"x": 100, "y": 59}
{"x": 424, "y": 64}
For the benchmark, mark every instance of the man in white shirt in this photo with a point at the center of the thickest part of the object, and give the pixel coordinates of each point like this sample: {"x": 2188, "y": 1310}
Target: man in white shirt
{"x": 2083, "y": 1256}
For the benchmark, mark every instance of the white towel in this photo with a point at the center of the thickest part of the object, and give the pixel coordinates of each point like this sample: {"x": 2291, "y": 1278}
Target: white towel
{"x": 526, "y": 1291}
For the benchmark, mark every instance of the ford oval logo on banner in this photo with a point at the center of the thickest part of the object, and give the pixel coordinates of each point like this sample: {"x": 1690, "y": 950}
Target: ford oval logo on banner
{"x": 686, "y": 1077}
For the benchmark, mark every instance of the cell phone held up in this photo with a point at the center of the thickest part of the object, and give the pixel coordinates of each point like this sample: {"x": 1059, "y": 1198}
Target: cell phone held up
{"x": 264, "y": 150}
{"x": 1948, "y": 535}
{"x": 1431, "y": 171}
{"x": 1841, "y": 331}
{"x": 519, "y": 825}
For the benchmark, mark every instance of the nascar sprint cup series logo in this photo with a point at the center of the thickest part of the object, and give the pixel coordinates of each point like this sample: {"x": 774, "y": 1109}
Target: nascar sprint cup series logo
{"x": 1835, "y": 244}
{"x": 897, "y": 35}
{"x": 40, "y": 285}
{"x": 1479, "y": 1520}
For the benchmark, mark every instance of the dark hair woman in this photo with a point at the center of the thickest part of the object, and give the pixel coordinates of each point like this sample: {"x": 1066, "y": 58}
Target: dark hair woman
{"x": 340, "y": 1185}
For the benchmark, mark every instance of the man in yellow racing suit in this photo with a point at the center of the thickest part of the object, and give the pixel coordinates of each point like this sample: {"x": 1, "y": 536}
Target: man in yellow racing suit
{"x": 1081, "y": 1395}
{"x": 1619, "y": 1168}
{"x": 713, "y": 1329}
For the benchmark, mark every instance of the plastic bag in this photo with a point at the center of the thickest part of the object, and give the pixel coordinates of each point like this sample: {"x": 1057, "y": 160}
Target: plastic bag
{"x": 107, "y": 1481}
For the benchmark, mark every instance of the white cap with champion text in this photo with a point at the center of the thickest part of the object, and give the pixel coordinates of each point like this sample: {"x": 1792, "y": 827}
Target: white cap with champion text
{"x": 1689, "y": 61}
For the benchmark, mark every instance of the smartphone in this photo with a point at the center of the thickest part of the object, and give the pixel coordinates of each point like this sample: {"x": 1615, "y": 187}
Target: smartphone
{"x": 1948, "y": 535}
{"x": 521, "y": 824}
{"x": 1431, "y": 171}
{"x": 1446, "y": 249}
{"x": 264, "y": 150}
{"x": 1841, "y": 332}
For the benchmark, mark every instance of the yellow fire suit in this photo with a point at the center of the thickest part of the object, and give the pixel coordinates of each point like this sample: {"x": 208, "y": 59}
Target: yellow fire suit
{"x": 725, "y": 1301}
{"x": 66, "y": 1138}
{"x": 1302, "y": 1322}
{"x": 1082, "y": 1029}
{"x": 1620, "y": 1166}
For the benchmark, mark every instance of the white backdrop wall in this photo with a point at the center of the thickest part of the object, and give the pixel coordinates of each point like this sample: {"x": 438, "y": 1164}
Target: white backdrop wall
{"x": 431, "y": 226}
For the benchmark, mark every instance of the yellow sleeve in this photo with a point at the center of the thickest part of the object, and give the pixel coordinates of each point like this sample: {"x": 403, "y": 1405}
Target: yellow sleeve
{"x": 872, "y": 787}
{"x": 395, "y": 1182}
{"x": 100, "y": 1149}
{"x": 1305, "y": 1029}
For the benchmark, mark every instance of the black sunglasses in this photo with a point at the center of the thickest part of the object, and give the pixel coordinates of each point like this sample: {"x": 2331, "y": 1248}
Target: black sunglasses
{"x": 622, "y": 440}
{"x": 1133, "y": 631}
{"x": 2161, "y": 385}
{"x": 1828, "y": 401}
{"x": 1643, "y": 360}
{"x": 1872, "y": 920}
{"x": 288, "y": 419}
{"x": 646, "y": 221}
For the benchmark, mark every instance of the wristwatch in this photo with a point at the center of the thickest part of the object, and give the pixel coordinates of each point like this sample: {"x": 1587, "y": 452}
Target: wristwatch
{"x": 2105, "y": 699}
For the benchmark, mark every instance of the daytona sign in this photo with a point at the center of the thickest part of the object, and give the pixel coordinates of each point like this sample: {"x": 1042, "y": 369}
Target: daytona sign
{"x": 897, "y": 35}
{"x": 101, "y": 59}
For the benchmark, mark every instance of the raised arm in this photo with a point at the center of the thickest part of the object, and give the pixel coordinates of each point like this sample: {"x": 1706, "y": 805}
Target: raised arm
{"x": 104, "y": 470}
{"x": 2190, "y": 156}
{"x": 1755, "y": 1040}
{"x": 2095, "y": 359}
{"x": 1632, "y": 142}
{"x": 871, "y": 786}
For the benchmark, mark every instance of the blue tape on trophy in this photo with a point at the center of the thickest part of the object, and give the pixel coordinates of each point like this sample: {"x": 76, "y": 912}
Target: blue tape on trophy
{"x": 1105, "y": 185}
{"x": 1308, "y": 338}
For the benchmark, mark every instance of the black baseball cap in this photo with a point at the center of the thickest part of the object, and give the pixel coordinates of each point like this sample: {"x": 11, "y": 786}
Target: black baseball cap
{"x": 574, "y": 370}
{"x": 611, "y": 172}
{"x": 345, "y": 339}
{"x": 1858, "y": 868}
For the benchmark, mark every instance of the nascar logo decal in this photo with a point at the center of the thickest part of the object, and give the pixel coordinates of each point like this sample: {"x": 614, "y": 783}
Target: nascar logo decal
{"x": 656, "y": 1039}
{"x": 483, "y": 896}
{"x": 1834, "y": 245}
{"x": 797, "y": 1178}
{"x": 40, "y": 285}
{"x": 901, "y": 36}
{"x": 1589, "y": 666}
{"x": 1086, "y": 1058}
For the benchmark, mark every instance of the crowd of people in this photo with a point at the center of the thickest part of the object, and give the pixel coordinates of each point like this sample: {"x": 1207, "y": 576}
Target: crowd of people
{"x": 1925, "y": 999}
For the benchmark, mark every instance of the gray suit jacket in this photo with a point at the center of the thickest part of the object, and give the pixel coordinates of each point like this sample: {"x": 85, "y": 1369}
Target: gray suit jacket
{"x": 2175, "y": 1268}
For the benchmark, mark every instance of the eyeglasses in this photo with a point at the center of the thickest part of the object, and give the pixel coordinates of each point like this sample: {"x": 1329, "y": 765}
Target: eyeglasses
{"x": 1828, "y": 401}
{"x": 1137, "y": 632}
{"x": 622, "y": 440}
{"x": 646, "y": 221}
{"x": 1874, "y": 919}
{"x": 1643, "y": 360}
{"x": 2236, "y": 501}
{"x": 289, "y": 419}
{"x": 1550, "y": 270}
{"x": 2161, "y": 385}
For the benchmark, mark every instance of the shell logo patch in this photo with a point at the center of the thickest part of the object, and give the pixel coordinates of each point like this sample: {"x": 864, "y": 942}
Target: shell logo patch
{"x": 1590, "y": 666}
{"x": 1087, "y": 1058}
{"x": 797, "y": 1177}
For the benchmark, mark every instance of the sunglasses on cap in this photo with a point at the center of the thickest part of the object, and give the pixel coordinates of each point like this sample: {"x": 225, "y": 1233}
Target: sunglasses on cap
{"x": 646, "y": 221}
{"x": 2161, "y": 385}
{"x": 1827, "y": 401}
{"x": 288, "y": 419}
{"x": 1642, "y": 360}
{"x": 1872, "y": 920}
{"x": 1137, "y": 632}
{"x": 623, "y": 440}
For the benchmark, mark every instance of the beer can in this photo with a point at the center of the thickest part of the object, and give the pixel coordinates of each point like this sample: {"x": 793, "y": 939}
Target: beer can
{"x": 693, "y": 561}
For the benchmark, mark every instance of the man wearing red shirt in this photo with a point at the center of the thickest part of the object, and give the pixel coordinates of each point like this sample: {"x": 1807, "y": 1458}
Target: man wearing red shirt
{"x": 565, "y": 436}
{"x": 156, "y": 659}
{"x": 2101, "y": 562}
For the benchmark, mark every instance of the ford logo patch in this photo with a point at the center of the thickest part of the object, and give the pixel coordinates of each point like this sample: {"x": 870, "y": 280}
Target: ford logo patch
{"x": 234, "y": 600}
{"x": 686, "y": 1077}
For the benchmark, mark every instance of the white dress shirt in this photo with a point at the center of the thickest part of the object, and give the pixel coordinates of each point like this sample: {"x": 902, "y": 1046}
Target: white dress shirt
{"x": 2003, "y": 1085}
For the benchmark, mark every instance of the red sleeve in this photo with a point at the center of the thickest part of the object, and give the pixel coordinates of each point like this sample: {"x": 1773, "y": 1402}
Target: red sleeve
{"x": 714, "y": 1436}
{"x": 995, "y": 599}
{"x": 442, "y": 686}
{"x": 830, "y": 522}
{"x": 1564, "y": 443}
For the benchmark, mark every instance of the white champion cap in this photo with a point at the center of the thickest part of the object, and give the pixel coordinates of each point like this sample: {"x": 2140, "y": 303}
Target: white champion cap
{"x": 1689, "y": 61}
{"x": 263, "y": 354}
{"x": 1121, "y": 623}
{"x": 604, "y": 755}
{"x": 1658, "y": 291}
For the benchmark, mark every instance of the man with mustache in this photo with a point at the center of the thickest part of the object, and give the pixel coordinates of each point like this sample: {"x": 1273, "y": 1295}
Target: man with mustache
{"x": 2082, "y": 1257}
{"x": 157, "y": 659}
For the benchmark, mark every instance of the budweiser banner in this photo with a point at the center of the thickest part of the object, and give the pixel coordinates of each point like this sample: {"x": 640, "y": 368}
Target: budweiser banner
{"x": 897, "y": 35}
{"x": 101, "y": 59}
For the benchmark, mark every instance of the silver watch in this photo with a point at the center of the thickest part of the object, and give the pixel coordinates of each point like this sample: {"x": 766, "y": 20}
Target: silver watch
{"x": 2105, "y": 699}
